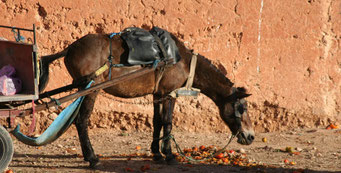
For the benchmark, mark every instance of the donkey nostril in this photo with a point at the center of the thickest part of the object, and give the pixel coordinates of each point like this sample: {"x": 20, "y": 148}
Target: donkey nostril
{"x": 251, "y": 137}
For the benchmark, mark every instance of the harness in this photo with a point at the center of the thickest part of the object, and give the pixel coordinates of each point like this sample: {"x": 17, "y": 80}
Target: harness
{"x": 237, "y": 112}
{"x": 105, "y": 67}
{"x": 166, "y": 50}
{"x": 110, "y": 52}
{"x": 155, "y": 63}
{"x": 188, "y": 90}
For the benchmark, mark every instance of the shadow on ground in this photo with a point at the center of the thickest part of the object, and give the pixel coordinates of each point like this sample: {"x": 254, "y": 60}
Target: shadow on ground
{"x": 114, "y": 163}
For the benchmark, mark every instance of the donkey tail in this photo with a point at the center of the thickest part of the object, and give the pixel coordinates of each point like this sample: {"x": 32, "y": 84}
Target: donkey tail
{"x": 44, "y": 67}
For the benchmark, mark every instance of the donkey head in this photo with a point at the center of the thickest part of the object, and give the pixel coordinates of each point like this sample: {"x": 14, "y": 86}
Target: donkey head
{"x": 234, "y": 113}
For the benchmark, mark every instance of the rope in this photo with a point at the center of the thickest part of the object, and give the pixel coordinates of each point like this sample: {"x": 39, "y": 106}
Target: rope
{"x": 56, "y": 101}
{"x": 17, "y": 36}
{"x": 110, "y": 53}
{"x": 110, "y": 58}
{"x": 117, "y": 65}
{"x": 179, "y": 150}
{"x": 51, "y": 99}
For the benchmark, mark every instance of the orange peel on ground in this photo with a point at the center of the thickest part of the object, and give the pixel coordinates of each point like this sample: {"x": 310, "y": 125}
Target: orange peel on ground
{"x": 206, "y": 155}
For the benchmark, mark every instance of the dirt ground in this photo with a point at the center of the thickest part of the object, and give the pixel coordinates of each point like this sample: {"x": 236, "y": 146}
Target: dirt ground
{"x": 317, "y": 150}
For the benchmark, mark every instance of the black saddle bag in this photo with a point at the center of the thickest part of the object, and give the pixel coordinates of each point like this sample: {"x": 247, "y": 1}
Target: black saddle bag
{"x": 144, "y": 49}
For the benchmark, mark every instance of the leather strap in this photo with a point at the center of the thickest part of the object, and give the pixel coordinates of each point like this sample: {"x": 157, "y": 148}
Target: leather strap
{"x": 190, "y": 78}
{"x": 162, "y": 48}
{"x": 188, "y": 90}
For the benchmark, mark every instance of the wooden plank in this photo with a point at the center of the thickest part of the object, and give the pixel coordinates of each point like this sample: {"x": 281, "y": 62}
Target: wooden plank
{"x": 18, "y": 97}
{"x": 94, "y": 88}
{"x": 9, "y": 112}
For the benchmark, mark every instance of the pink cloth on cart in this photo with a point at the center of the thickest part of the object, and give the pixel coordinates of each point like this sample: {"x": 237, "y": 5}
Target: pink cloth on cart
{"x": 9, "y": 84}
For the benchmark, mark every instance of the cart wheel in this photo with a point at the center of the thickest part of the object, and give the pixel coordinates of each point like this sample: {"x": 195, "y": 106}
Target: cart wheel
{"x": 6, "y": 148}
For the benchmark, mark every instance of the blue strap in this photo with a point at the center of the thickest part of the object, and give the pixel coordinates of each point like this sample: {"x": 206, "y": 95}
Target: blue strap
{"x": 110, "y": 55}
{"x": 17, "y": 36}
{"x": 57, "y": 127}
{"x": 155, "y": 63}
{"x": 110, "y": 60}
{"x": 117, "y": 65}
{"x": 114, "y": 33}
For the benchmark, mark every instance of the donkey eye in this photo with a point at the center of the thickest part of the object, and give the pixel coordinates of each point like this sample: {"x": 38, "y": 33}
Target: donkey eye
{"x": 240, "y": 109}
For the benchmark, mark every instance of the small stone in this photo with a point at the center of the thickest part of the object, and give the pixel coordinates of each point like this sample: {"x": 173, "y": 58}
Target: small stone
{"x": 102, "y": 125}
{"x": 53, "y": 116}
{"x": 299, "y": 149}
{"x": 310, "y": 156}
{"x": 318, "y": 155}
{"x": 251, "y": 160}
{"x": 242, "y": 150}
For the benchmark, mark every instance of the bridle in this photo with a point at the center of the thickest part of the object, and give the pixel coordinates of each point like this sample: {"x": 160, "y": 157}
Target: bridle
{"x": 238, "y": 111}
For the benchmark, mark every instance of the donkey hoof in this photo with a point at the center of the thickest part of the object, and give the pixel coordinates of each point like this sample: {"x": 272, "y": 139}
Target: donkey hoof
{"x": 158, "y": 159}
{"x": 94, "y": 164}
{"x": 171, "y": 160}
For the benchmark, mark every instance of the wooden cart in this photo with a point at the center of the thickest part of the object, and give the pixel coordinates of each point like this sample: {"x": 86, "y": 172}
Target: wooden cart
{"x": 23, "y": 57}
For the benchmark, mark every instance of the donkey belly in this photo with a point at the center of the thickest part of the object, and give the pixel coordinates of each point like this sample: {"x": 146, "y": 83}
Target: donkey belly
{"x": 137, "y": 87}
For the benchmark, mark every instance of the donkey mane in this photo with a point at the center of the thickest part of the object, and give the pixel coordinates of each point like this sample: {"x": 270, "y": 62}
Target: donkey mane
{"x": 215, "y": 68}
{"x": 181, "y": 46}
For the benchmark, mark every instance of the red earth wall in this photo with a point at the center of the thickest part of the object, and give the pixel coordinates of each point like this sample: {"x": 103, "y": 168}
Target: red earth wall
{"x": 286, "y": 53}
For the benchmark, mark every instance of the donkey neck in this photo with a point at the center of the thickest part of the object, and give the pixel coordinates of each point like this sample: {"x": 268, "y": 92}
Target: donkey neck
{"x": 211, "y": 81}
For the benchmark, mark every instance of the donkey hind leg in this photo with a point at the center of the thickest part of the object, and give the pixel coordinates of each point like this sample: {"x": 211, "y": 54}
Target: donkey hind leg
{"x": 157, "y": 126}
{"x": 167, "y": 116}
{"x": 82, "y": 129}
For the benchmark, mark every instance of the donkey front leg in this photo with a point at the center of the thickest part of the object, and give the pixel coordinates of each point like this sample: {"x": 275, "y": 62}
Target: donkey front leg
{"x": 167, "y": 116}
{"x": 82, "y": 129}
{"x": 157, "y": 126}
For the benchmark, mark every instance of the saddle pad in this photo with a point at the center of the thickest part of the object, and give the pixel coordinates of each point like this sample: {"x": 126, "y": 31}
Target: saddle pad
{"x": 143, "y": 49}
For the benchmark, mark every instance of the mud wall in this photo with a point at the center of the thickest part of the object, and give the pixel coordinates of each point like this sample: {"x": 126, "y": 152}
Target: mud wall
{"x": 286, "y": 53}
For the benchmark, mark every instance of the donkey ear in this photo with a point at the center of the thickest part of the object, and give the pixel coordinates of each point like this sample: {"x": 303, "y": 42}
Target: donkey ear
{"x": 238, "y": 93}
{"x": 243, "y": 95}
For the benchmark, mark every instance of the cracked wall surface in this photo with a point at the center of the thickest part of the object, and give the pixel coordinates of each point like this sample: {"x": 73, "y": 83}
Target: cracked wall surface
{"x": 286, "y": 53}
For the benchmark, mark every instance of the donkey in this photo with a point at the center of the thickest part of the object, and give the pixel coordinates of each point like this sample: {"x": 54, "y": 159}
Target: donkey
{"x": 89, "y": 53}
